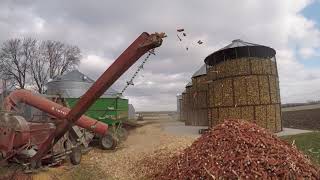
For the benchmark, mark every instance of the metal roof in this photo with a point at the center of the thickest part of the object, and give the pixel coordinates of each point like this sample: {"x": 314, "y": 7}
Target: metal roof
{"x": 201, "y": 71}
{"x": 189, "y": 84}
{"x": 74, "y": 84}
{"x": 239, "y": 49}
{"x": 238, "y": 43}
{"x": 74, "y": 75}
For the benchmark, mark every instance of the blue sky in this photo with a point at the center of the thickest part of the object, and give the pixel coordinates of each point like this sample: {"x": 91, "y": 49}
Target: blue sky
{"x": 313, "y": 12}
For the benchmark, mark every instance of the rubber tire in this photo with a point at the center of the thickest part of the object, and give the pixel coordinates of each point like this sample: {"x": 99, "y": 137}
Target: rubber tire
{"x": 122, "y": 134}
{"x": 108, "y": 142}
{"x": 75, "y": 156}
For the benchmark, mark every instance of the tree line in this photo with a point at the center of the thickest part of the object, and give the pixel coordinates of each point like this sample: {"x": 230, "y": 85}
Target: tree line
{"x": 27, "y": 61}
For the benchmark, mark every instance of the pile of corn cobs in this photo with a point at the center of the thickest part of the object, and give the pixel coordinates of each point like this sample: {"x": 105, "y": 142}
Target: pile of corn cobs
{"x": 237, "y": 149}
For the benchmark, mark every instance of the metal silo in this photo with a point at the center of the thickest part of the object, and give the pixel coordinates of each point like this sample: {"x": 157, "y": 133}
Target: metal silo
{"x": 244, "y": 84}
{"x": 73, "y": 85}
{"x": 183, "y": 112}
{"x": 179, "y": 105}
{"x": 188, "y": 105}
{"x": 199, "y": 97}
{"x": 131, "y": 112}
{"x": 179, "y": 97}
{"x": 110, "y": 108}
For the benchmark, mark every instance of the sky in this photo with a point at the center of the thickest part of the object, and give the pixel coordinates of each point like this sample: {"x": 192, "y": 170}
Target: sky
{"x": 103, "y": 29}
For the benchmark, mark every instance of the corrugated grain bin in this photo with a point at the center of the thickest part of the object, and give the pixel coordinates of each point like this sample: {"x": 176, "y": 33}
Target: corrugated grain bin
{"x": 244, "y": 84}
{"x": 183, "y": 111}
{"x": 110, "y": 108}
{"x": 198, "y": 98}
{"x": 179, "y": 106}
{"x": 188, "y": 105}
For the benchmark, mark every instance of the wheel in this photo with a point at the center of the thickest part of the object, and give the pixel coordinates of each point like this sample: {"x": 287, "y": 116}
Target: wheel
{"x": 35, "y": 165}
{"x": 108, "y": 142}
{"x": 122, "y": 134}
{"x": 75, "y": 156}
{"x": 2, "y": 156}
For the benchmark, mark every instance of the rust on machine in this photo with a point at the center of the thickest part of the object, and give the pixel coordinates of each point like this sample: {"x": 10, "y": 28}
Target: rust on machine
{"x": 16, "y": 134}
{"x": 143, "y": 44}
{"x": 52, "y": 108}
{"x": 139, "y": 47}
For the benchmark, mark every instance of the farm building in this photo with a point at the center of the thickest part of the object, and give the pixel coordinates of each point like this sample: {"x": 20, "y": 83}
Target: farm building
{"x": 244, "y": 84}
{"x": 179, "y": 106}
{"x": 131, "y": 112}
{"x": 109, "y": 108}
{"x": 194, "y": 100}
{"x": 198, "y": 97}
{"x": 187, "y": 105}
{"x": 182, "y": 114}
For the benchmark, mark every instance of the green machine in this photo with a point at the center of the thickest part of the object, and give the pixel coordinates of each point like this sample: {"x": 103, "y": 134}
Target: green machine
{"x": 111, "y": 108}
{"x": 111, "y": 111}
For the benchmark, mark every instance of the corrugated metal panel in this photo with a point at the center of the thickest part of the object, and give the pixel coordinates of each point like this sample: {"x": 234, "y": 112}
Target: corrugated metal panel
{"x": 201, "y": 71}
{"x": 239, "y": 49}
{"x": 179, "y": 97}
{"x": 189, "y": 84}
{"x": 73, "y": 85}
{"x": 131, "y": 112}
{"x": 238, "y": 43}
{"x": 74, "y": 75}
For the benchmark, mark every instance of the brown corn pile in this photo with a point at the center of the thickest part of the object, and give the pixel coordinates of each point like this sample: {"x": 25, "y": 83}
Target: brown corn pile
{"x": 237, "y": 149}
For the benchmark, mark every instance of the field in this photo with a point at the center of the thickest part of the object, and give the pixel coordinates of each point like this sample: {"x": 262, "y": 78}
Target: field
{"x": 302, "y": 118}
{"x": 309, "y": 143}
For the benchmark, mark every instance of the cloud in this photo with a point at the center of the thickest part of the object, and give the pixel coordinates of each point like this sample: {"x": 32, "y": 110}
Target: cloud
{"x": 307, "y": 52}
{"x": 94, "y": 65}
{"x": 103, "y": 29}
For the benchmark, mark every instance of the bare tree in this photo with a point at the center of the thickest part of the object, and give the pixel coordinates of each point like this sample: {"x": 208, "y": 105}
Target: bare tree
{"x": 15, "y": 56}
{"x": 70, "y": 58}
{"x": 37, "y": 61}
{"x": 61, "y": 57}
{"x": 52, "y": 51}
{"x": 39, "y": 69}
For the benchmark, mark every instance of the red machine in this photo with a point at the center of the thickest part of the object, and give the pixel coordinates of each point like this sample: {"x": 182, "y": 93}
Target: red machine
{"x": 33, "y": 143}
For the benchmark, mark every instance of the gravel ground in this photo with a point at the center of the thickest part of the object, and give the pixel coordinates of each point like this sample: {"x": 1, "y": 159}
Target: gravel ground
{"x": 178, "y": 128}
{"x": 290, "y": 131}
{"x": 126, "y": 161}
{"x": 157, "y": 139}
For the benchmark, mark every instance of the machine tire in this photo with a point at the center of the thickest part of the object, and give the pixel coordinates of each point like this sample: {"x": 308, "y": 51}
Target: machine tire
{"x": 122, "y": 134}
{"x": 2, "y": 159}
{"x": 108, "y": 142}
{"x": 75, "y": 156}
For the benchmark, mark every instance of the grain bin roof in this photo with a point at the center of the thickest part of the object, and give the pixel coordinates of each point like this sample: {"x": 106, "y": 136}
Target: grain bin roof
{"x": 189, "y": 84}
{"x": 201, "y": 71}
{"x": 75, "y": 76}
{"x": 238, "y": 49}
{"x": 74, "y": 84}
